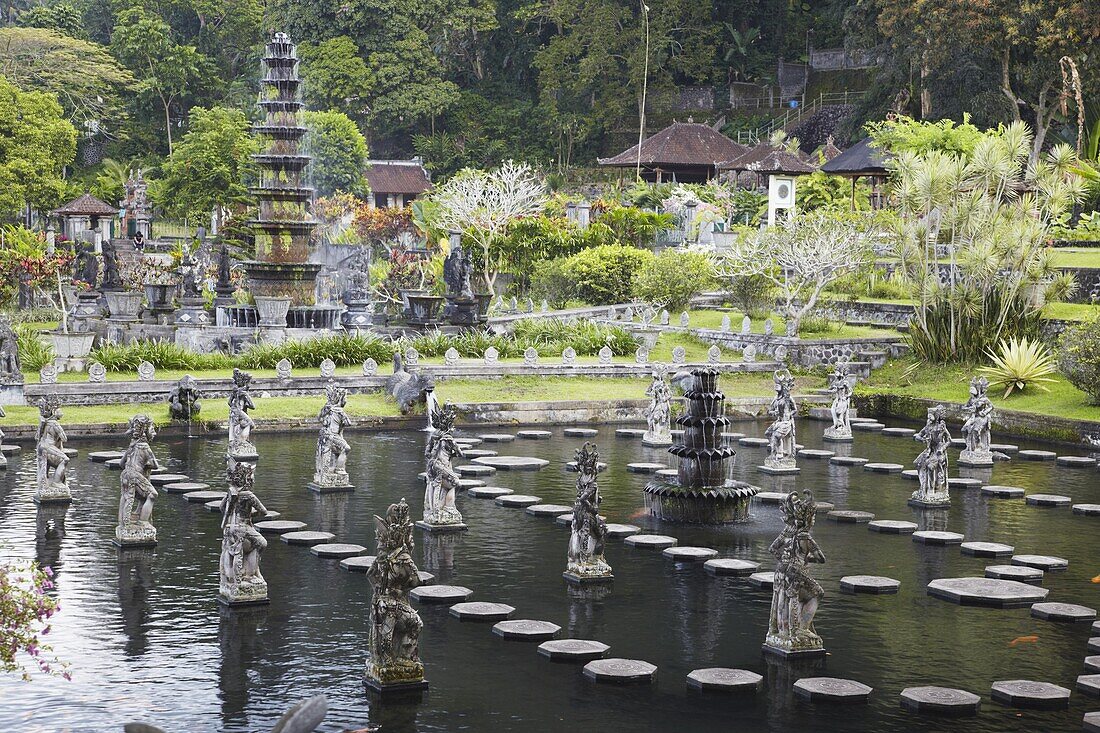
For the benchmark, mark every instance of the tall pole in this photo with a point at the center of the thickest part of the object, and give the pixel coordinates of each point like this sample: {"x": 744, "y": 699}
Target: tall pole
{"x": 645, "y": 84}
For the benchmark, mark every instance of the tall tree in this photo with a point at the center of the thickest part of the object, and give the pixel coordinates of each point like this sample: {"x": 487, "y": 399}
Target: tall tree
{"x": 339, "y": 153}
{"x": 335, "y": 75}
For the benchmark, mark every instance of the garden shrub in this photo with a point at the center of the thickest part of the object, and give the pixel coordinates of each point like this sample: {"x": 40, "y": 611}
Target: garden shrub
{"x": 552, "y": 282}
{"x": 605, "y": 275}
{"x": 342, "y": 350}
{"x": 34, "y": 352}
{"x": 673, "y": 278}
{"x": 161, "y": 354}
{"x": 752, "y": 294}
{"x": 1079, "y": 358}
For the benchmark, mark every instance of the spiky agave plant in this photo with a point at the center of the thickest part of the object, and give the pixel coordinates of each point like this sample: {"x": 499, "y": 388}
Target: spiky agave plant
{"x": 1019, "y": 364}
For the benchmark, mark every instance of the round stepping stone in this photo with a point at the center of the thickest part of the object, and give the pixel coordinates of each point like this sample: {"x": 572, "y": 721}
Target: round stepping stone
{"x": 959, "y": 482}
{"x": 910, "y": 474}
{"x": 847, "y": 461}
{"x": 306, "y": 537}
{"x": 932, "y": 537}
{"x": 832, "y": 689}
{"x": 733, "y": 436}
{"x": 526, "y": 630}
{"x": 1075, "y": 461}
{"x": 1089, "y": 510}
{"x": 337, "y": 550}
{"x": 213, "y": 506}
{"x": 467, "y": 441}
{"x": 465, "y": 484}
{"x": 1090, "y": 685}
{"x": 823, "y": 507}
{"x": 581, "y": 432}
{"x": 160, "y": 479}
{"x": 1063, "y": 612}
{"x": 512, "y": 463}
{"x": 1092, "y": 722}
{"x": 958, "y": 443}
{"x": 1004, "y": 447}
{"x": 475, "y": 470}
{"x": 278, "y": 526}
{"x": 940, "y": 700}
{"x": 987, "y": 549}
{"x": 644, "y": 467}
{"x": 762, "y": 580}
{"x": 201, "y": 497}
{"x": 440, "y": 593}
{"x": 863, "y": 419}
{"x": 115, "y": 464}
{"x": 870, "y": 427}
{"x": 899, "y": 432}
{"x": 472, "y": 453}
{"x": 1037, "y": 455}
{"x": 1092, "y": 664}
{"x": 185, "y": 487}
{"x": 771, "y": 497}
{"x": 848, "y": 516}
{"x": 986, "y": 592}
{"x": 1042, "y": 562}
{"x": 358, "y": 563}
{"x": 729, "y": 566}
{"x": 518, "y": 501}
{"x": 1047, "y": 500}
{"x": 753, "y": 442}
{"x": 884, "y": 467}
{"x": 724, "y": 679}
{"x": 1021, "y": 573}
{"x": 891, "y": 526}
{"x": 667, "y": 473}
{"x": 573, "y": 650}
{"x": 99, "y": 456}
{"x": 488, "y": 492}
{"x": 425, "y": 578}
{"x": 622, "y": 530}
{"x": 689, "y": 554}
{"x": 1003, "y": 492}
{"x": 497, "y": 437}
{"x": 481, "y": 611}
{"x": 1096, "y": 627}
{"x": 10, "y": 449}
{"x": 534, "y": 434}
{"x": 813, "y": 454}
{"x": 70, "y": 452}
{"x": 548, "y": 510}
{"x": 1030, "y": 694}
{"x": 875, "y": 584}
{"x": 571, "y": 466}
{"x": 651, "y": 541}
{"x": 629, "y": 433}
{"x": 620, "y": 671}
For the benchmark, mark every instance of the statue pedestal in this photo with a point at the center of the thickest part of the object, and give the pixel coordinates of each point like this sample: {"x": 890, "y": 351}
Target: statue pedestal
{"x": 398, "y": 687}
{"x": 833, "y": 436}
{"x": 651, "y": 441}
{"x": 793, "y": 654}
{"x": 780, "y": 469}
{"x": 53, "y": 494}
{"x": 579, "y": 579}
{"x": 929, "y": 503}
{"x": 461, "y": 312}
{"x": 244, "y": 452}
{"x": 359, "y": 314}
{"x": 11, "y": 393}
{"x": 135, "y": 535}
{"x": 442, "y": 528}
{"x": 192, "y": 312}
{"x": 976, "y": 459}
{"x": 329, "y": 488}
{"x": 252, "y": 595}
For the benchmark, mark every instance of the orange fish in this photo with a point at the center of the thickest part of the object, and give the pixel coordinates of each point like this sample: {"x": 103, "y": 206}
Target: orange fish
{"x": 1096, "y": 579}
{"x": 1024, "y": 640}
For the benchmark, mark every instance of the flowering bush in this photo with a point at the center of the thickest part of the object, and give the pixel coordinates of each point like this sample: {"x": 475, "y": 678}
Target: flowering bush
{"x": 381, "y": 226}
{"x": 25, "y": 612}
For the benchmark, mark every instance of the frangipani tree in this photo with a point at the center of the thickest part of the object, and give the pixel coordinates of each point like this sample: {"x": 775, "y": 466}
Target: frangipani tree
{"x": 482, "y": 204}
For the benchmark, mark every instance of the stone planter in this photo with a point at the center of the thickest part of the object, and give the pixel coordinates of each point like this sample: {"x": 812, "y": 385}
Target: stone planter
{"x": 646, "y": 337}
{"x": 124, "y": 305}
{"x": 272, "y": 310}
{"x": 483, "y": 302}
{"x": 72, "y": 345}
{"x": 159, "y": 295}
{"x": 422, "y": 307}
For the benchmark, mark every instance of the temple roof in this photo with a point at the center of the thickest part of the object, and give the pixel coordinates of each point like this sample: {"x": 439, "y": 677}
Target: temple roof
{"x": 681, "y": 143}
{"x": 397, "y": 176}
{"x": 768, "y": 158}
{"x": 859, "y": 160}
{"x": 86, "y": 205}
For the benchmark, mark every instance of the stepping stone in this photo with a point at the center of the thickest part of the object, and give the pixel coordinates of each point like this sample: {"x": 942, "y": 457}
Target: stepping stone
{"x": 958, "y": 443}
{"x": 1042, "y": 562}
{"x": 689, "y": 554}
{"x": 847, "y": 516}
{"x": 573, "y": 650}
{"x": 213, "y": 506}
{"x": 645, "y": 467}
{"x": 337, "y": 550}
{"x": 823, "y": 507}
{"x": 958, "y": 482}
{"x": 488, "y": 492}
{"x": 357, "y": 564}
{"x": 753, "y": 442}
{"x": 1037, "y": 455}
{"x": 548, "y": 510}
{"x": 832, "y": 689}
{"x": 440, "y": 593}
{"x": 518, "y": 501}
{"x": 870, "y": 427}
{"x": 425, "y": 578}
{"x": 497, "y": 437}
{"x": 762, "y": 580}
{"x": 1004, "y": 447}
{"x": 940, "y": 700}
{"x": 306, "y": 537}
{"x": 1089, "y": 510}
{"x": 1092, "y": 722}
{"x": 987, "y": 549}
{"x": 512, "y": 463}
{"x": 1048, "y": 500}
{"x": 1092, "y": 664}
{"x": 884, "y": 467}
{"x": 481, "y": 611}
{"x": 278, "y": 526}
{"x": 667, "y": 473}
{"x": 1090, "y": 685}
{"x": 724, "y": 679}
{"x": 201, "y": 497}
{"x": 99, "y": 456}
{"x": 875, "y": 584}
{"x": 932, "y": 537}
{"x": 465, "y": 484}
{"x": 729, "y": 566}
{"x": 986, "y": 592}
{"x": 469, "y": 442}
{"x": 622, "y": 530}
{"x": 1021, "y": 573}
{"x": 526, "y": 630}
{"x": 862, "y": 419}
{"x": 185, "y": 487}
{"x": 910, "y": 474}
{"x": 770, "y": 497}
{"x": 473, "y": 453}
{"x": 651, "y": 541}
{"x": 475, "y": 470}
{"x": 1075, "y": 461}
{"x": 891, "y": 526}
{"x": 620, "y": 671}
{"x": 1096, "y": 627}
{"x": 733, "y": 436}
{"x": 815, "y": 454}
{"x": 70, "y": 452}
{"x": 847, "y": 461}
{"x": 11, "y": 449}
{"x": 581, "y": 432}
{"x": 160, "y": 479}
{"x": 899, "y": 432}
{"x": 115, "y": 464}
{"x": 629, "y": 433}
{"x": 534, "y": 434}
{"x": 1063, "y": 612}
{"x": 1003, "y": 492}
{"x": 571, "y": 466}
{"x": 1094, "y": 645}
{"x": 1030, "y": 694}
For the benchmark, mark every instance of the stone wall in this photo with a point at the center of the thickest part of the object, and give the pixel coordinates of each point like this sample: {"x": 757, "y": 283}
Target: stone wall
{"x": 806, "y": 352}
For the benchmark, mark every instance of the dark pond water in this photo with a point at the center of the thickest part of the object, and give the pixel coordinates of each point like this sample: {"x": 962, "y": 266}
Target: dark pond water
{"x": 147, "y": 640}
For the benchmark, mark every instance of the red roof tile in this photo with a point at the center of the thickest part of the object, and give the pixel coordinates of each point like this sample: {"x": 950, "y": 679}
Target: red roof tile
{"x": 397, "y": 176}
{"x": 86, "y": 205}
{"x": 681, "y": 143}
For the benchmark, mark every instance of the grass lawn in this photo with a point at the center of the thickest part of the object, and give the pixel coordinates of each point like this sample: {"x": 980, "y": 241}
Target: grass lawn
{"x": 1071, "y": 311}
{"x": 1077, "y": 257}
{"x": 713, "y": 319}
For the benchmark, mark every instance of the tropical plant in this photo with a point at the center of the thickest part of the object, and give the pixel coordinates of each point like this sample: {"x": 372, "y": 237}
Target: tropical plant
{"x": 1079, "y": 358}
{"x": 342, "y": 350}
{"x": 161, "y": 354}
{"x": 1019, "y": 364}
{"x": 34, "y": 353}
{"x": 673, "y": 278}
{"x": 552, "y": 282}
{"x": 26, "y": 608}
{"x": 637, "y": 227}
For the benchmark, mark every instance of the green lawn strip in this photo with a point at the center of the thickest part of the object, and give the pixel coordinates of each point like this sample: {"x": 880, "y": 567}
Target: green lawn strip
{"x": 1077, "y": 257}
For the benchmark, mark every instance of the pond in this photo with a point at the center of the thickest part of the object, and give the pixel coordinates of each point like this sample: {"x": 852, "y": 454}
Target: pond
{"x": 148, "y": 641}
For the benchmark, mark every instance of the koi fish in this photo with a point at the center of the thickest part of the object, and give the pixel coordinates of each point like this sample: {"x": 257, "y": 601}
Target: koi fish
{"x": 1096, "y": 579}
{"x": 1024, "y": 640}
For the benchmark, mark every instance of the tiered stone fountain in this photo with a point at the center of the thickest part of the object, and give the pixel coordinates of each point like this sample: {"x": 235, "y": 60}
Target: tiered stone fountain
{"x": 703, "y": 492}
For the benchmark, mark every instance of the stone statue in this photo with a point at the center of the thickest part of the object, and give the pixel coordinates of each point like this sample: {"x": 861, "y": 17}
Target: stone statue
{"x": 240, "y": 581}
{"x": 87, "y": 266}
{"x": 189, "y": 287}
{"x": 240, "y": 424}
{"x": 330, "y": 472}
{"x": 932, "y": 462}
{"x": 111, "y": 278}
{"x": 795, "y": 594}
{"x": 781, "y": 433}
{"x": 456, "y": 274}
{"x": 840, "y": 384}
{"x": 659, "y": 413}
{"x": 440, "y": 512}
{"x": 135, "y": 509}
{"x": 406, "y": 387}
{"x": 3, "y": 458}
{"x": 979, "y": 412}
{"x": 357, "y": 276}
{"x": 183, "y": 400}
{"x": 53, "y": 462}
{"x": 9, "y": 353}
{"x": 223, "y": 286}
{"x": 585, "y": 561}
{"x": 393, "y": 643}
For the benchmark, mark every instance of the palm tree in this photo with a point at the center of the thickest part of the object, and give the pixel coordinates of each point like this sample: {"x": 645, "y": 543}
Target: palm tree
{"x": 737, "y": 54}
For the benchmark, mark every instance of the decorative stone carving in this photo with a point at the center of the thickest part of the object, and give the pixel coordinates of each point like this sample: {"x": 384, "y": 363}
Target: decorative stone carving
{"x": 780, "y": 354}
{"x": 513, "y": 305}
{"x": 789, "y": 329}
{"x": 3, "y": 458}
{"x": 10, "y": 372}
{"x": 135, "y": 509}
{"x": 605, "y": 355}
{"x": 393, "y": 642}
{"x": 611, "y": 313}
{"x": 240, "y": 424}
{"x": 284, "y": 369}
{"x": 544, "y": 306}
{"x": 749, "y": 353}
{"x": 795, "y": 593}
{"x": 492, "y": 356}
{"x": 569, "y": 356}
{"x": 450, "y": 357}
{"x": 679, "y": 355}
{"x": 979, "y": 417}
{"x": 412, "y": 357}
{"x": 659, "y": 413}
{"x": 111, "y": 278}
{"x": 628, "y": 314}
{"x": 457, "y": 269}
{"x": 726, "y": 326}
{"x": 714, "y": 355}
{"x": 242, "y": 544}
{"x": 684, "y": 319}
{"x": 328, "y": 368}
{"x": 146, "y": 372}
{"x": 48, "y": 374}
{"x": 664, "y": 317}
{"x": 52, "y": 460}
{"x": 97, "y": 373}
{"x": 584, "y": 560}
{"x": 330, "y": 463}
{"x": 408, "y": 388}
{"x": 841, "y": 385}
{"x": 781, "y": 433}
{"x": 746, "y": 325}
{"x": 183, "y": 400}
{"x": 441, "y": 483}
{"x": 370, "y": 367}
{"x": 648, "y": 315}
{"x": 530, "y": 356}
{"x": 641, "y": 355}
{"x": 769, "y": 327}
{"x": 932, "y": 462}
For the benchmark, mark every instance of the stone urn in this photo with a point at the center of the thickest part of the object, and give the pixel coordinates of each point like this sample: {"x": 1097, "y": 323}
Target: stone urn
{"x": 159, "y": 295}
{"x": 423, "y": 307}
{"x": 124, "y": 305}
{"x": 272, "y": 310}
{"x": 71, "y": 345}
{"x": 483, "y": 302}
{"x": 644, "y": 335}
